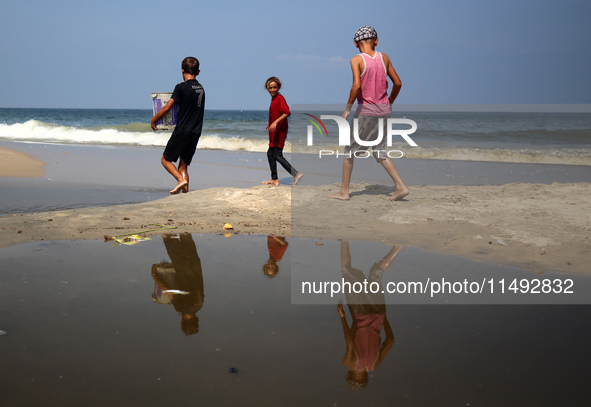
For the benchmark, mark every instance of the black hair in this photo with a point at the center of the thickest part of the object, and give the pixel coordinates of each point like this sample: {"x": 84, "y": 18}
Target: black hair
{"x": 190, "y": 65}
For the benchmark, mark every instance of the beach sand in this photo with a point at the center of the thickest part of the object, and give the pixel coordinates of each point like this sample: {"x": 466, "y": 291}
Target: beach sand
{"x": 501, "y": 224}
{"x": 534, "y": 226}
{"x": 16, "y": 164}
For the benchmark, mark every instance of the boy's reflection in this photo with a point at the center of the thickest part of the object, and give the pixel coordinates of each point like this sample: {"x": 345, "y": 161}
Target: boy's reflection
{"x": 182, "y": 279}
{"x": 365, "y": 350}
{"x": 277, "y": 246}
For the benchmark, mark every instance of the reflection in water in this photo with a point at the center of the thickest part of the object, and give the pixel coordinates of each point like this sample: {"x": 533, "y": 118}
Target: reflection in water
{"x": 181, "y": 281}
{"x": 277, "y": 246}
{"x": 365, "y": 349}
{"x": 77, "y": 328}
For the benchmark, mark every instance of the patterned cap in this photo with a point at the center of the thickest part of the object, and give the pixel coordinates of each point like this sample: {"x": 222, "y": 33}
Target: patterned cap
{"x": 365, "y": 33}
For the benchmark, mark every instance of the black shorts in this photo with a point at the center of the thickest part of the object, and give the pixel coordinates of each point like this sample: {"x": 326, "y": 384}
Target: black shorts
{"x": 180, "y": 146}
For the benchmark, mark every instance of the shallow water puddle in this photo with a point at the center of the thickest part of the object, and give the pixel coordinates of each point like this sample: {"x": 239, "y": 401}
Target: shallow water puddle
{"x": 210, "y": 320}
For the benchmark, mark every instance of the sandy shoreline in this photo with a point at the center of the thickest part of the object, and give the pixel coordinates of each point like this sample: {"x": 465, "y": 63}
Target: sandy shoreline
{"x": 529, "y": 225}
{"x": 16, "y": 164}
{"x": 544, "y": 227}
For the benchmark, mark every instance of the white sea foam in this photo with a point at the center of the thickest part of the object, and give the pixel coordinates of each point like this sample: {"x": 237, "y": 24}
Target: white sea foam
{"x": 566, "y": 156}
{"x": 36, "y": 131}
{"x": 215, "y": 142}
{"x": 40, "y": 132}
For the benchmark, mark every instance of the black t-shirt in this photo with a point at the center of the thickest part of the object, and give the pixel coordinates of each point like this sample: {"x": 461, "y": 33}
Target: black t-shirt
{"x": 190, "y": 97}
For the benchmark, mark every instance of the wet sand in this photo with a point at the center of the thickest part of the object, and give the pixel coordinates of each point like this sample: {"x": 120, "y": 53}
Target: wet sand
{"x": 16, "y": 164}
{"x": 536, "y": 226}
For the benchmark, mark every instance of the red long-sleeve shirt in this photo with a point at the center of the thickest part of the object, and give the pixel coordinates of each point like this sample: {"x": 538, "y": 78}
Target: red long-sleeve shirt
{"x": 277, "y": 108}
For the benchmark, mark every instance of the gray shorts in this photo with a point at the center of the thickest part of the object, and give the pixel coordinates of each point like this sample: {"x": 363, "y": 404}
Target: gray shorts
{"x": 369, "y": 131}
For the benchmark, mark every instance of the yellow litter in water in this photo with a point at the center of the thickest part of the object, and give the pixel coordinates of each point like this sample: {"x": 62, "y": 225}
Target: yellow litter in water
{"x": 129, "y": 240}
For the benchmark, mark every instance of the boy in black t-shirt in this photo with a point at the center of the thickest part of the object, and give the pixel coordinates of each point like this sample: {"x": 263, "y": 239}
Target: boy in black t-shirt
{"x": 183, "y": 142}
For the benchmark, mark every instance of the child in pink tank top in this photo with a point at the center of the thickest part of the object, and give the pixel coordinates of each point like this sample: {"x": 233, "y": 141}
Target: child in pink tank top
{"x": 371, "y": 71}
{"x": 372, "y": 99}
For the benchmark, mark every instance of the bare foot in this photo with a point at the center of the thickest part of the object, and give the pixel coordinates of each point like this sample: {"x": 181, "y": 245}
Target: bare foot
{"x": 399, "y": 195}
{"x": 274, "y": 182}
{"x": 179, "y": 186}
{"x": 341, "y": 196}
{"x": 297, "y": 178}
{"x": 185, "y": 189}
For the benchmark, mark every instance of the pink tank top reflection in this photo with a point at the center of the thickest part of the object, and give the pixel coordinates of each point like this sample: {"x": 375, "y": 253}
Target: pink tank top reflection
{"x": 372, "y": 99}
{"x": 366, "y": 330}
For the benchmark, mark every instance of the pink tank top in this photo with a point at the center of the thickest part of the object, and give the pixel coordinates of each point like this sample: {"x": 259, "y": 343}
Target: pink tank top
{"x": 367, "y": 340}
{"x": 372, "y": 99}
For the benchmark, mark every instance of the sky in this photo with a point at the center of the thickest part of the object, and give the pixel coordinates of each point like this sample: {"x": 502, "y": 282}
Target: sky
{"x": 114, "y": 54}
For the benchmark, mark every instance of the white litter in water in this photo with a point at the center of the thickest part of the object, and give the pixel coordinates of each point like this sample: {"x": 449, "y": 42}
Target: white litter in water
{"x": 176, "y": 292}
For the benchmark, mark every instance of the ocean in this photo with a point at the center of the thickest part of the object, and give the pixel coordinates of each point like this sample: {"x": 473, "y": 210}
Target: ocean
{"x": 543, "y": 138}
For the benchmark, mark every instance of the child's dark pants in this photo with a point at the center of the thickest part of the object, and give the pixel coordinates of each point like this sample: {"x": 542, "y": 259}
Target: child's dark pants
{"x": 275, "y": 155}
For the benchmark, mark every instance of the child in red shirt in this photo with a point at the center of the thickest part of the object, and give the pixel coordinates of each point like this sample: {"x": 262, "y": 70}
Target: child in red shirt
{"x": 277, "y": 128}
